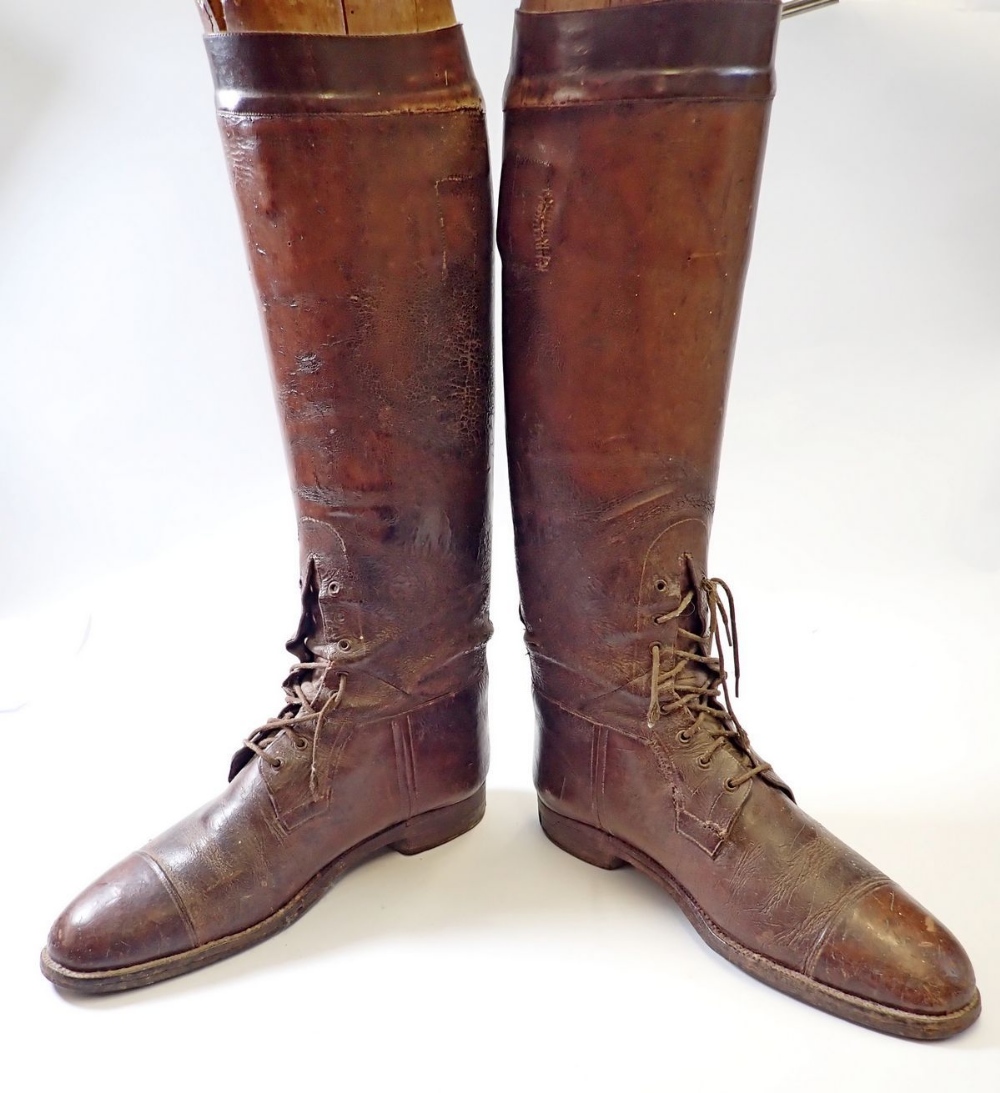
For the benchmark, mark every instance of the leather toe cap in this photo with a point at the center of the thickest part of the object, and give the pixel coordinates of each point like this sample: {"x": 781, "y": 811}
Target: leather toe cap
{"x": 128, "y": 916}
{"x": 886, "y": 948}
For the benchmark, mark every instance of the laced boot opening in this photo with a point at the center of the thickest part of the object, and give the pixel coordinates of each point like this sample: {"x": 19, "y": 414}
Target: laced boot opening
{"x": 311, "y": 696}
{"x": 697, "y": 681}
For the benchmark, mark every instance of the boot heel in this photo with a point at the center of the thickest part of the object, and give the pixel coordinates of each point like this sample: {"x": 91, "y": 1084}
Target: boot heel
{"x": 581, "y": 840}
{"x": 436, "y": 828}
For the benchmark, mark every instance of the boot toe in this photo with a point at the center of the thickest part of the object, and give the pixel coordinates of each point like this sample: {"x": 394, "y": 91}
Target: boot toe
{"x": 128, "y": 916}
{"x": 888, "y": 949}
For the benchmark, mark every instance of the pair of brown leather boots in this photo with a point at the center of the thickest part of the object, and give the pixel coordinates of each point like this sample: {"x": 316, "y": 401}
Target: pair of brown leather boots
{"x": 631, "y": 164}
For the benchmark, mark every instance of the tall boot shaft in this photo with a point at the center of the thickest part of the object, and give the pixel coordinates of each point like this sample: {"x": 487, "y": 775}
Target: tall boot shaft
{"x": 361, "y": 175}
{"x": 632, "y": 158}
{"x": 631, "y": 166}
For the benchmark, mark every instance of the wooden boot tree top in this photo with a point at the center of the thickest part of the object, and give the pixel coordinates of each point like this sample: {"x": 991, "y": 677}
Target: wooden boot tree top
{"x": 358, "y": 17}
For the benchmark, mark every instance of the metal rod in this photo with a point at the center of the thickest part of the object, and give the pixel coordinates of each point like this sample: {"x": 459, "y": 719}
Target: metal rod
{"x": 796, "y": 7}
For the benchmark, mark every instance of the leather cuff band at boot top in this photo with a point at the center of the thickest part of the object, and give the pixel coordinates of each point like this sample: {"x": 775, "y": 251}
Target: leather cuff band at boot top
{"x": 633, "y": 149}
{"x": 361, "y": 176}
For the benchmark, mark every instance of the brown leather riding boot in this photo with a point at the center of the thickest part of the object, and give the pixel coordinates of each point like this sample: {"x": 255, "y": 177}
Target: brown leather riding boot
{"x": 361, "y": 175}
{"x": 632, "y": 157}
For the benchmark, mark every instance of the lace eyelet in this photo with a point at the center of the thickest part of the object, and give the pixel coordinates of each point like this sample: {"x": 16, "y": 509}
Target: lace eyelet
{"x": 660, "y": 585}
{"x": 704, "y": 761}
{"x": 276, "y": 764}
{"x": 333, "y": 588}
{"x": 301, "y": 744}
{"x": 684, "y": 737}
{"x": 730, "y": 786}
{"x": 343, "y": 645}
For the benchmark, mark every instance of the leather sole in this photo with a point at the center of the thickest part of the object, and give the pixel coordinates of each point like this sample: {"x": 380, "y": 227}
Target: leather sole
{"x": 412, "y": 836}
{"x": 598, "y": 848}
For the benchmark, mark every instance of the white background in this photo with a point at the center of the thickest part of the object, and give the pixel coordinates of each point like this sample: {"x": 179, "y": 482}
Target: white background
{"x": 148, "y": 581}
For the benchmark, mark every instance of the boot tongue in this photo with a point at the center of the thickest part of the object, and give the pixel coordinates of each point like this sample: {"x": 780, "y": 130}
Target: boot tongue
{"x": 297, "y": 644}
{"x": 309, "y": 642}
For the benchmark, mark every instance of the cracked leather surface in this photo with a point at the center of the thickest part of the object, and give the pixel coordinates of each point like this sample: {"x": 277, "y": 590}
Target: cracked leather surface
{"x": 632, "y": 159}
{"x": 368, "y": 236}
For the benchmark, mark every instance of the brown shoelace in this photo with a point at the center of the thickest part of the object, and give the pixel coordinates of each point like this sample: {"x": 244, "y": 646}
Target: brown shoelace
{"x": 298, "y": 711}
{"x": 689, "y": 690}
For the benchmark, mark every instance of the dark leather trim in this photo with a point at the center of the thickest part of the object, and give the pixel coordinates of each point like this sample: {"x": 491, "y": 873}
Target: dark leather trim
{"x": 330, "y": 74}
{"x": 685, "y": 48}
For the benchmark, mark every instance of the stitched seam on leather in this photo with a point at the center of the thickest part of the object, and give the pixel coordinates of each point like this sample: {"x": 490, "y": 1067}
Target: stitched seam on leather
{"x": 175, "y": 896}
{"x": 423, "y": 705}
{"x": 667, "y": 772}
{"x": 643, "y": 739}
{"x": 411, "y": 764}
{"x": 535, "y": 655}
{"x": 709, "y": 825}
{"x": 402, "y": 781}
{"x": 342, "y": 738}
{"x": 583, "y": 104}
{"x": 337, "y": 754}
{"x": 848, "y": 900}
{"x": 338, "y": 744}
{"x": 268, "y": 116}
{"x": 592, "y": 771}
{"x": 600, "y": 769}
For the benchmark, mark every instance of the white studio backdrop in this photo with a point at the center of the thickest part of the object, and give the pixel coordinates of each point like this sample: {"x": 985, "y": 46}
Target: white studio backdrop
{"x": 148, "y": 580}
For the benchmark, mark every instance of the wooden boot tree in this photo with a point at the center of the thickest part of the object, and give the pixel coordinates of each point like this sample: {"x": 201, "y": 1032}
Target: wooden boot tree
{"x": 348, "y": 17}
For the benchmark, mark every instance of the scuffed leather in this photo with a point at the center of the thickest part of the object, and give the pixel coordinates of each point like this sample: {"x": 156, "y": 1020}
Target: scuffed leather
{"x": 629, "y": 188}
{"x": 368, "y": 234}
{"x": 247, "y": 853}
